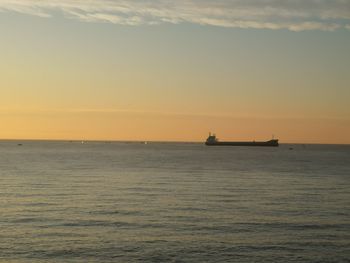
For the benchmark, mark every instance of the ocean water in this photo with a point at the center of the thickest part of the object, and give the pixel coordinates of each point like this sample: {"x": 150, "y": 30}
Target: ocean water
{"x": 173, "y": 202}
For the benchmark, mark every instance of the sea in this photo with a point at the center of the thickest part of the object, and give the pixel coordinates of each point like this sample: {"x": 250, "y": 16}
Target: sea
{"x": 72, "y": 201}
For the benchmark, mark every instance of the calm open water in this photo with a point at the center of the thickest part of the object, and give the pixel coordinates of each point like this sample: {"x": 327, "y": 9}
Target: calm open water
{"x": 163, "y": 202}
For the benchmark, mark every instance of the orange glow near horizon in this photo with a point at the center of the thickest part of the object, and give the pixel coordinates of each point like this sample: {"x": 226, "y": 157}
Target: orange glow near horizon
{"x": 124, "y": 126}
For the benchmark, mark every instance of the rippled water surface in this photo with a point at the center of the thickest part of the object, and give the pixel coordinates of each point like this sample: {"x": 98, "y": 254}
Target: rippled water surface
{"x": 164, "y": 202}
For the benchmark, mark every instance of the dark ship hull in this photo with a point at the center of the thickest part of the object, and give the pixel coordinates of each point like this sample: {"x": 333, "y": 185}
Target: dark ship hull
{"x": 271, "y": 143}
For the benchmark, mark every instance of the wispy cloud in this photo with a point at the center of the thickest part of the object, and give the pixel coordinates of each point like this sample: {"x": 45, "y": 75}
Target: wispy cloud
{"x": 294, "y": 15}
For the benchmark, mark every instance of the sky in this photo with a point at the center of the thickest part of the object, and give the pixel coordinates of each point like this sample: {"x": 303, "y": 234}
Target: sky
{"x": 175, "y": 70}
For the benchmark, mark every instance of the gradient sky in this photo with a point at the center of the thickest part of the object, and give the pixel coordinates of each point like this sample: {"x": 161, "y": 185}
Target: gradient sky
{"x": 175, "y": 70}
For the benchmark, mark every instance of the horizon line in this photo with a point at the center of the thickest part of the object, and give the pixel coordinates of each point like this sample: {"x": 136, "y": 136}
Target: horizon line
{"x": 149, "y": 141}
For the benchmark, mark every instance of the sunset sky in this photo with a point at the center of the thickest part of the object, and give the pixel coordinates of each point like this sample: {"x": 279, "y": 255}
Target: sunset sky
{"x": 175, "y": 70}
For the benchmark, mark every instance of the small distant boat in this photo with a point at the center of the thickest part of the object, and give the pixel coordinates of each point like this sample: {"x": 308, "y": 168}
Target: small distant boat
{"x": 213, "y": 141}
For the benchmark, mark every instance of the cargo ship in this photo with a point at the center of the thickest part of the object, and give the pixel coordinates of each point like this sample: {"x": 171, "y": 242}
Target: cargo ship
{"x": 213, "y": 141}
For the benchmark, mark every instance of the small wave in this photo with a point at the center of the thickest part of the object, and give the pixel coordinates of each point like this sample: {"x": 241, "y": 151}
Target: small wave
{"x": 119, "y": 224}
{"x": 117, "y": 212}
{"x": 295, "y": 226}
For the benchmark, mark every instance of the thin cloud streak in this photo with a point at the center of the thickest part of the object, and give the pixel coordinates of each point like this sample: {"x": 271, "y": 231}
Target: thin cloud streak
{"x": 294, "y": 15}
{"x": 153, "y": 113}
